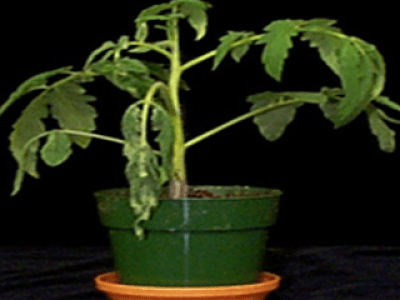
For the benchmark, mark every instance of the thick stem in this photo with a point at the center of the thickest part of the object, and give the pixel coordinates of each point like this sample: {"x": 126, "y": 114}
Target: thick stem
{"x": 178, "y": 185}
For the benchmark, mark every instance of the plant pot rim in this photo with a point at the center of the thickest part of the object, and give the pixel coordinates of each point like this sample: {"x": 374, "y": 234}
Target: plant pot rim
{"x": 108, "y": 283}
{"x": 262, "y": 192}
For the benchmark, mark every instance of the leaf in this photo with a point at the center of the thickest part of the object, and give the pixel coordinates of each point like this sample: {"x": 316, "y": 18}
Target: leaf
{"x": 226, "y": 45}
{"x": 136, "y": 81}
{"x": 321, "y": 35}
{"x": 36, "y": 82}
{"x": 385, "y": 135}
{"x": 238, "y": 52}
{"x": 28, "y": 125}
{"x": 278, "y": 40}
{"x": 57, "y": 149}
{"x": 131, "y": 65}
{"x": 196, "y": 14}
{"x": 272, "y": 124}
{"x": 152, "y": 11}
{"x": 142, "y": 170}
{"x": 356, "y": 72}
{"x": 69, "y": 106}
{"x": 105, "y": 46}
{"x": 161, "y": 122}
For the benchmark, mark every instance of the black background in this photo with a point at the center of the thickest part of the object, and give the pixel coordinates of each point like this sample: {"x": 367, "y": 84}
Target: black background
{"x": 339, "y": 188}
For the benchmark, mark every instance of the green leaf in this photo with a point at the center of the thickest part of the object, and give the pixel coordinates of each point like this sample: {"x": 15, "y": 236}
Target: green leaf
{"x": 237, "y": 53}
{"x": 226, "y": 45}
{"x": 356, "y": 72}
{"x": 278, "y": 40}
{"x": 322, "y": 35}
{"x": 161, "y": 122}
{"x": 37, "y": 82}
{"x": 131, "y": 65}
{"x": 134, "y": 80}
{"x": 105, "y": 46}
{"x": 28, "y": 126}
{"x": 385, "y": 135}
{"x": 57, "y": 149}
{"x": 196, "y": 14}
{"x": 272, "y": 123}
{"x": 69, "y": 106}
{"x": 152, "y": 11}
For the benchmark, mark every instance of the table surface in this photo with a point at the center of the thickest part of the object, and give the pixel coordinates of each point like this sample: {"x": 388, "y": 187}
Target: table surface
{"x": 312, "y": 273}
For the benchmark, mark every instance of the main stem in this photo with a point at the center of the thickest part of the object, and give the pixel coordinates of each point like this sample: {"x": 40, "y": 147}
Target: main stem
{"x": 178, "y": 185}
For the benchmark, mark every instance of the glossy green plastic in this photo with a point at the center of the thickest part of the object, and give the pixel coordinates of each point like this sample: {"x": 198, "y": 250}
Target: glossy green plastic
{"x": 194, "y": 241}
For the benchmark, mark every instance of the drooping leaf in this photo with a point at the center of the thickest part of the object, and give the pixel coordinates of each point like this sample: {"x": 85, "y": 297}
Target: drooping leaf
{"x": 161, "y": 123}
{"x": 37, "y": 82}
{"x": 57, "y": 149}
{"x": 126, "y": 76}
{"x": 385, "y": 135}
{"x": 142, "y": 170}
{"x": 322, "y": 35}
{"x": 356, "y": 72}
{"x": 226, "y": 45}
{"x": 69, "y": 106}
{"x": 196, "y": 14}
{"x": 152, "y": 11}
{"x": 272, "y": 123}
{"x": 238, "y": 52}
{"x": 278, "y": 40}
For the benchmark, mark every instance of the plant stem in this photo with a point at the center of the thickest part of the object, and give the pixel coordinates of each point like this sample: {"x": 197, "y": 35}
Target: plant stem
{"x": 178, "y": 183}
{"x": 76, "y": 132}
{"x": 152, "y": 47}
{"x": 145, "y": 114}
{"x": 239, "y": 119}
{"x": 211, "y": 54}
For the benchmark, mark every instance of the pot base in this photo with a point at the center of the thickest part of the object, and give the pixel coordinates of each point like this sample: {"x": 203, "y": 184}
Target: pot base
{"x": 109, "y": 284}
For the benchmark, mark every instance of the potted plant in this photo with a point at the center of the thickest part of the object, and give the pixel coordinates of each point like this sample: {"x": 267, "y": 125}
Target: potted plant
{"x": 165, "y": 232}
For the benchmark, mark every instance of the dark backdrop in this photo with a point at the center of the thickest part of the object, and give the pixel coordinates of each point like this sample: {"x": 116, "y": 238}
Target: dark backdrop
{"x": 339, "y": 188}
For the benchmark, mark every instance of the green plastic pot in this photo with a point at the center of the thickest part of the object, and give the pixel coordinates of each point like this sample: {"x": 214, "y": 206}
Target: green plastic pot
{"x": 194, "y": 241}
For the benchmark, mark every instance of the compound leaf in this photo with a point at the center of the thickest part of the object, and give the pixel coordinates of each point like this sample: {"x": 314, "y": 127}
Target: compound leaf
{"x": 57, "y": 149}
{"x": 278, "y": 40}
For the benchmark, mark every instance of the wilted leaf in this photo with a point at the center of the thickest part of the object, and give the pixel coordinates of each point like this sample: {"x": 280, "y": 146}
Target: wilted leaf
{"x": 57, "y": 149}
{"x": 161, "y": 123}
